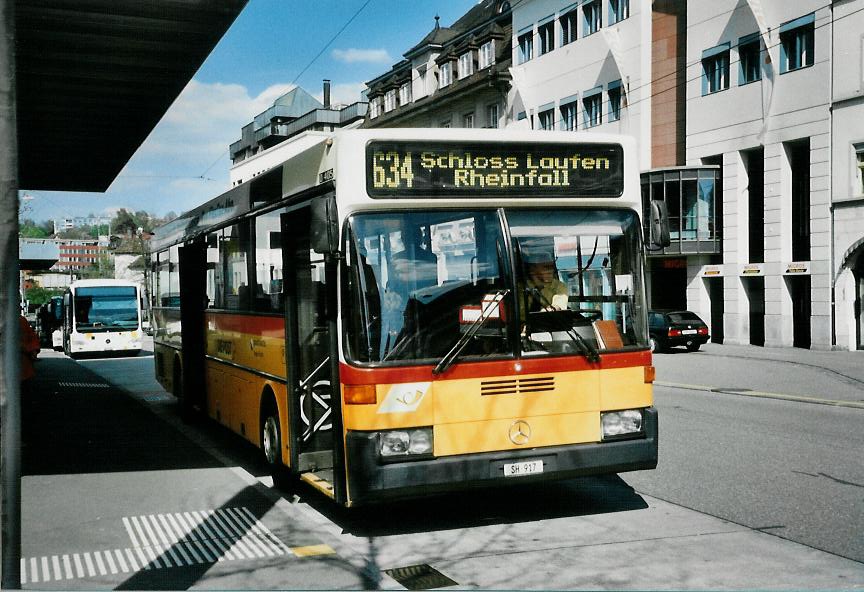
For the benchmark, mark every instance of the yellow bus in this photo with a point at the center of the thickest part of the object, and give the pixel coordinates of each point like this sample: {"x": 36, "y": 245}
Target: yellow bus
{"x": 398, "y": 312}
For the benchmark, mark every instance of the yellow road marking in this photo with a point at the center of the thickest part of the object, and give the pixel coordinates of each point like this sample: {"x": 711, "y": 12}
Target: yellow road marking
{"x": 763, "y": 395}
{"x": 313, "y": 550}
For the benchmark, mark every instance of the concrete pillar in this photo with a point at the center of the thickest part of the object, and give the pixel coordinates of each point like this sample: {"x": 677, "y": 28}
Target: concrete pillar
{"x": 10, "y": 395}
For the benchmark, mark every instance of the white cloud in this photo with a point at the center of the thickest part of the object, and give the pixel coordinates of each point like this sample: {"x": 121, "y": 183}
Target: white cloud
{"x": 344, "y": 94}
{"x": 353, "y": 55}
{"x": 185, "y": 161}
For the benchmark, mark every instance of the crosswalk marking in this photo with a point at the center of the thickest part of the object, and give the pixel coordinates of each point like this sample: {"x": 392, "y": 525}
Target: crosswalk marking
{"x": 159, "y": 541}
{"x": 79, "y": 568}
{"x": 67, "y": 565}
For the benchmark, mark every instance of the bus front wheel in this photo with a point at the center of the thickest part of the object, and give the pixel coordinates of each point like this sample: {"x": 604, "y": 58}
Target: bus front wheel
{"x": 271, "y": 446}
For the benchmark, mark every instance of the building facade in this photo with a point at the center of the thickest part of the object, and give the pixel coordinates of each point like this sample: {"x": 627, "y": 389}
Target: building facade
{"x": 749, "y": 116}
{"x": 77, "y": 255}
{"x": 847, "y": 172}
{"x": 583, "y": 66}
{"x": 263, "y": 141}
{"x": 456, "y": 76}
{"x": 758, "y": 105}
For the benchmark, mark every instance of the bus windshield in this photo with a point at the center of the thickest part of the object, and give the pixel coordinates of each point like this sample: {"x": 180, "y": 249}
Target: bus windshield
{"x": 106, "y": 308}
{"x": 569, "y": 284}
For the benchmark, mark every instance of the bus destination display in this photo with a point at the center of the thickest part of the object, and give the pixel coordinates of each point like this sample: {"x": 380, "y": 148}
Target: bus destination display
{"x": 405, "y": 170}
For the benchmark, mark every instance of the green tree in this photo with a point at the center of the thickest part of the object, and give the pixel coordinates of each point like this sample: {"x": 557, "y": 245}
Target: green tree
{"x": 37, "y": 295}
{"x": 124, "y": 223}
{"x": 102, "y": 269}
{"x": 29, "y": 229}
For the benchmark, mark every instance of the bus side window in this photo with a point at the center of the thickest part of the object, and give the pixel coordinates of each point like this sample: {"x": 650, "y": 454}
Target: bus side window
{"x": 233, "y": 251}
{"x": 267, "y": 292}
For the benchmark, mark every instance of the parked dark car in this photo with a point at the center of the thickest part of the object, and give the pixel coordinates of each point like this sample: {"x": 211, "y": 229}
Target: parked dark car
{"x": 674, "y": 328}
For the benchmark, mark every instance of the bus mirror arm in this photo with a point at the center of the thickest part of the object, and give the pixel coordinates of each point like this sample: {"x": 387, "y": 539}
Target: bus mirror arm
{"x": 325, "y": 225}
{"x": 659, "y": 226}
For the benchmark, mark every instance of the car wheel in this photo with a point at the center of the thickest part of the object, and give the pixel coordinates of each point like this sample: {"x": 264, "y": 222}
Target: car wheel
{"x": 693, "y": 346}
{"x": 655, "y": 345}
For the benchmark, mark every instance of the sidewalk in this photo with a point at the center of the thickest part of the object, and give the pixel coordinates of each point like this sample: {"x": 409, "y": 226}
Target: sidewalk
{"x": 823, "y": 377}
{"x": 116, "y": 497}
{"x": 847, "y": 364}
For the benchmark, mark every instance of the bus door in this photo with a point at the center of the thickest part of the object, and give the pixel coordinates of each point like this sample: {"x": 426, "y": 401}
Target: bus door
{"x": 193, "y": 295}
{"x": 308, "y": 350}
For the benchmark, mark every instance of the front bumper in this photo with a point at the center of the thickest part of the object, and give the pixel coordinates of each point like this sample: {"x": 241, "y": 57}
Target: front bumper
{"x": 370, "y": 480}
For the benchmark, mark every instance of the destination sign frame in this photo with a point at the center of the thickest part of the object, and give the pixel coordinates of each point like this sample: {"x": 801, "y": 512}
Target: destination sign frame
{"x": 463, "y": 169}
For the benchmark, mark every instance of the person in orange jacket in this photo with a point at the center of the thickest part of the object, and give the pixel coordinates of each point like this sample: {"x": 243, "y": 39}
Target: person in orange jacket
{"x": 29, "y": 351}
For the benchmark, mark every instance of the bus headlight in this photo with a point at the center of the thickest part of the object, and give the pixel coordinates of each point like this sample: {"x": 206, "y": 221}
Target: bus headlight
{"x": 615, "y": 424}
{"x": 411, "y": 442}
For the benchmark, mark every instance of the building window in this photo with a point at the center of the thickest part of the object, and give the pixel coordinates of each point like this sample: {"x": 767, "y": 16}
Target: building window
{"x": 546, "y": 119}
{"x": 466, "y": 65}
{"x": 618, "y": 10}
{"x": 487, "y": 54}
{"x": 569, "y": 24}
{"x": 568, "y": 116}
{"x": 390, "y": 100}
{"x": 593, "y": 109}
{"x": 749, "y": 49}
{"x": 546, "y": 34}
{"x": 859, "y": 169}
{"x": 591, "y": 17}
{"x": 422, "y": 88}
{"x": 445, "y": 74}
{"x": 374, "y": 108}
{"x": 445, "y": 123}
{"x": 715, "y": 69}
{"x": 405, "y": 94}
{"x": 526, "y": 46}
{"x": 468, "y": 120}
{"x": 796, "y": 44}
{"x": 492, "y": 115}
{"x": 615, "y": 100}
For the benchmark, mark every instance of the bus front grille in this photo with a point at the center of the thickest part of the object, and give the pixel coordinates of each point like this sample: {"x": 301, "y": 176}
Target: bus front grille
{"x": 517, "y": 386}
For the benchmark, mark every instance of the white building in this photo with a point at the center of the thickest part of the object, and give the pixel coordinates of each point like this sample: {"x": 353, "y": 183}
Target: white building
{"x": 583, "y": 66}
{"x": 456, "y": 76}
{"x": 758, "y": 104}
{"x": 847, "y": 172}
{"x": 749, "y": 117}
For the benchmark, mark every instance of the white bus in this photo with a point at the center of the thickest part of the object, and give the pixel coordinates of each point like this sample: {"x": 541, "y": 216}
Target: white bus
{"x": 102, "y": 316}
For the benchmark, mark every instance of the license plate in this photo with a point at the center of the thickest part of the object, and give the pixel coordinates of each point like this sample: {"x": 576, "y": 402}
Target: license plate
{"x": 529, "y": 467}
{"x": 689, "y": 332}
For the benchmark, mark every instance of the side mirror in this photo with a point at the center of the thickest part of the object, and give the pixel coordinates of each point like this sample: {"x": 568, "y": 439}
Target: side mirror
{"x": 325, "y": 225}
{"x": 659, "y": 226}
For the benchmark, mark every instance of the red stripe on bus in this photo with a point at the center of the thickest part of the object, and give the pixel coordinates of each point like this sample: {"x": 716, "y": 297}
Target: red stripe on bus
{"x": 261, "y": 326}
{"x": 392, "y": 375}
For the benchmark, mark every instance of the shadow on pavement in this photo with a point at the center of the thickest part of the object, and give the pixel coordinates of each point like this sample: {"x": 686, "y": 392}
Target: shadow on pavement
{"x": 508, "y": 505}
{"x": 73, "y": 421}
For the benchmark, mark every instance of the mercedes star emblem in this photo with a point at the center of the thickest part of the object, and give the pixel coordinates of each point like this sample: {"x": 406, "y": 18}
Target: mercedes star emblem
{"x": 520, "y": 432}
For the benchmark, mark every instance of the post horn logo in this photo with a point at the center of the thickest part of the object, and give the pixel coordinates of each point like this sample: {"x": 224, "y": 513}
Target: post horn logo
{"x": 520, "y": 432}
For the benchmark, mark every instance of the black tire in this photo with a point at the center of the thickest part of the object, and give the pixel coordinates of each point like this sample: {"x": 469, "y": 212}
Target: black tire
{"x": 271, "y": 444}
{"x": 693, "y": 346}
{"x": 656, "y": 344}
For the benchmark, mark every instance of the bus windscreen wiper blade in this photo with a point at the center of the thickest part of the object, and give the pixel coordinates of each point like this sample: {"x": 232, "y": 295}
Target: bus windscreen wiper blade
{"x": 588, "y": 350}
{"x": 485, "y": 312}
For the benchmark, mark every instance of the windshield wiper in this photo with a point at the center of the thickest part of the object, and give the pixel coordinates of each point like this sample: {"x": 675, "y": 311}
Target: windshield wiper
{"x": 485, "y": 312}
{"x": 588, "y": 350}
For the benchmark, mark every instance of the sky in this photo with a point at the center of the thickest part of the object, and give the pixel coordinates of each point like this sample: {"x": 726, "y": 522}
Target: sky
{"x": 271, "y": 46}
